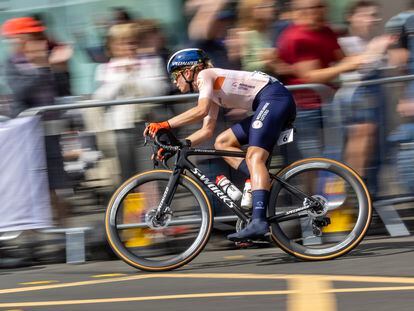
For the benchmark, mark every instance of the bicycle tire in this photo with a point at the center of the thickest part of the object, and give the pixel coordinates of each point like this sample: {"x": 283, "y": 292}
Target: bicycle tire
{"x": 353, "y": 238}
{"x": 114, "y": 236}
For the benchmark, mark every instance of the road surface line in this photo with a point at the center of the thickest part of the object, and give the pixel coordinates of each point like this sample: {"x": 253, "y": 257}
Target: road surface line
{"x": 344, "y": 278}
{"x": 145, "y": 298}
{"x": 72, "y": 284}
{"x": 192, "y": 296}
{"x": 338, "y": 278}
{"x": 236, "y": 257}
{"x": 38, "y": 282}
{"x": 310, "y": 294}
{"x": 108, "y": 275}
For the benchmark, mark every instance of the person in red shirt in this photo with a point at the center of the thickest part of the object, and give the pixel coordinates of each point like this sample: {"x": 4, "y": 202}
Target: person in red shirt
{"x": 311, "y": 50}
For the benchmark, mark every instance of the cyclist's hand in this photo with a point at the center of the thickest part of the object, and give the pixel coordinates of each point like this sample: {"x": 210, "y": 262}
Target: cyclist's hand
{"x": 160, "y": 156}
{"x": 153, "y": 128}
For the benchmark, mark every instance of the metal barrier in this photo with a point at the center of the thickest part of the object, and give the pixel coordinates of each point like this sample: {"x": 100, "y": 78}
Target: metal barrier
{"x": 389, "y": 216}
{"x": 325, "y": 92}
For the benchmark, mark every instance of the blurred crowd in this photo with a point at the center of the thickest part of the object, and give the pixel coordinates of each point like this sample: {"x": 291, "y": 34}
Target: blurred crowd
{"x": 97, "y": 148}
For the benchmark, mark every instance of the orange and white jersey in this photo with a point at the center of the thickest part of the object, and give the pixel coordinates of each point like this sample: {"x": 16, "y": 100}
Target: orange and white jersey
{"x": 230, "y": 88}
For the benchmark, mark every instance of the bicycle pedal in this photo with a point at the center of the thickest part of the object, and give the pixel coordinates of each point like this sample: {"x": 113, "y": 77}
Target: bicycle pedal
{"x": 244, "y": 244}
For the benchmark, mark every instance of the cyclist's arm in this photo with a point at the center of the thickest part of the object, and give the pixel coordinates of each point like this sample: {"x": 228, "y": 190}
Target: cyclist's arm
{"x": 205, "y": 133}
{"x": 192, "y": 115}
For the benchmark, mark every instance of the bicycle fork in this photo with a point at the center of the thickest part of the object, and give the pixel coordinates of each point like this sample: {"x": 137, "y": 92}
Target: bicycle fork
{"x": 166, "y": 199}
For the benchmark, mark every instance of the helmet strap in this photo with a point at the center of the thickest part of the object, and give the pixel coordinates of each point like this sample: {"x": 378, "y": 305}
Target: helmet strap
{"x": 189, "y": 82}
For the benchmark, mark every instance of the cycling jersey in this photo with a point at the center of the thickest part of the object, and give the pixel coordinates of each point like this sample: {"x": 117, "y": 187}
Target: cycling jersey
{"x": 230, "y": 88}
{"x": 272, "y": 103}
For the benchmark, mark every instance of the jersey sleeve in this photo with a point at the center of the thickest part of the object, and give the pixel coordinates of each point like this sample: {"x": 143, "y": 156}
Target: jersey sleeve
{"x": 205, "y": 85}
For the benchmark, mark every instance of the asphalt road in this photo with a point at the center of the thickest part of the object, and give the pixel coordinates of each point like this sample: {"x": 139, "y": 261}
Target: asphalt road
{"x": 378, "y": 275}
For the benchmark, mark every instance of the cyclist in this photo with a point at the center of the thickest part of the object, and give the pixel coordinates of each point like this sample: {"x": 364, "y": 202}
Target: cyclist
{"x": 273, "y": 107}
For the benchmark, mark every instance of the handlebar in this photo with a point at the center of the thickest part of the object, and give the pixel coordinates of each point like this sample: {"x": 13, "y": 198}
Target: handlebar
{"x": 166, "y": 140}
{"x": 171, "y": 138}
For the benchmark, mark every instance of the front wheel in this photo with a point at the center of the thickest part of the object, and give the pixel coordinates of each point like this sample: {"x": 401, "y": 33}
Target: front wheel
{"x": 342, "y": 218}
{"x": 158, "y": 245}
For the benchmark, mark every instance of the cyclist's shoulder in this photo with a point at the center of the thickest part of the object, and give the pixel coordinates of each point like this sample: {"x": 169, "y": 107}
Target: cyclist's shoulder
{"x": 210, "y": 72}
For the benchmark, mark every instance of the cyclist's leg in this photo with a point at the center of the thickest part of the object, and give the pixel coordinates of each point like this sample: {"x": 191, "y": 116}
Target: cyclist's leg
{"x": 232, "y": 139}
{"x": 269, "y": 119}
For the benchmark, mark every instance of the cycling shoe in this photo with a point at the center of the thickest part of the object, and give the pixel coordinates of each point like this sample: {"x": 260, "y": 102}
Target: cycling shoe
{"x": 257, "y": 229}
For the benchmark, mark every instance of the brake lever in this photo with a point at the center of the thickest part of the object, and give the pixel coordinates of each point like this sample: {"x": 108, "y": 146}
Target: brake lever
{"x": 164, "y": 163}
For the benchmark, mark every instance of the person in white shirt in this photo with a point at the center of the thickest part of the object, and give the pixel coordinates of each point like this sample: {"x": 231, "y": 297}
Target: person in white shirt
{"x": 127, "y": 76}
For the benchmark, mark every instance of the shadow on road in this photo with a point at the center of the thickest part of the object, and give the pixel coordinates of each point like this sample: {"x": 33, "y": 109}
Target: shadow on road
{"x": 377, "y": 250}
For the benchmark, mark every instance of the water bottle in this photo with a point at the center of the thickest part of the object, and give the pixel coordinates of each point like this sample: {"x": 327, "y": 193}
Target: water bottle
{"x": 228, "y": 188}
{"x": 246, "y": 202}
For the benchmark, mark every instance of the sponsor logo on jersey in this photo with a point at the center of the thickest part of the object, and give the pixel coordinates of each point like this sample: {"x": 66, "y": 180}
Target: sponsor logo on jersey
{"x": 257, "y": 124}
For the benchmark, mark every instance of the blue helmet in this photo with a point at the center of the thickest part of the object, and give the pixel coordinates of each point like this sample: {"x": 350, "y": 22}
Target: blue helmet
{"x": 186, "y": 57}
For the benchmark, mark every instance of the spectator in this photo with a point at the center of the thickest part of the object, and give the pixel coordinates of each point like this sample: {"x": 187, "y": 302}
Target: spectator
{"x": 362, "y": 106}
{"x": 60, "y": 69}
{"x": 120, "y": 15}
{"x": 255, "y": 20}
{"x": 283, "y": 20}
{"x": 310, "y": 48}
{"x": 97, "y": 53}
{"x": 207, "y": 30}
{"x": 127, "y": 76}
{"x": 29, "y": 76}
{"x": 401, "y": 55}
{"x": 152, "y": 41}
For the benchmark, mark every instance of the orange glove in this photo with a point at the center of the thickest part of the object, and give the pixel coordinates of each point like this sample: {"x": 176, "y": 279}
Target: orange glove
{"x": 153, "y": 128}
{"x": 160, "y": 155}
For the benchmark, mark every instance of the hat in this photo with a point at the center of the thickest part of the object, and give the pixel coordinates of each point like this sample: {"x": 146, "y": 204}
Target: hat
{"x": 21, "y": 25}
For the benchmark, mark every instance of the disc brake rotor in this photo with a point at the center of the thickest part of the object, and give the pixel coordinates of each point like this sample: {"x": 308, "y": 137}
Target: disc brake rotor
{"x": 158, "y": 222}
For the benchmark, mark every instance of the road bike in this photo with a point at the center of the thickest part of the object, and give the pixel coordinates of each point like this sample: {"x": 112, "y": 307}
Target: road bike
{"x": 161, "y": 219}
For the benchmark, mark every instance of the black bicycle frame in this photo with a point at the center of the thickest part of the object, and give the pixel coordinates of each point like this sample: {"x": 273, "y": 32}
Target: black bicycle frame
{"x": 183, "y": 163}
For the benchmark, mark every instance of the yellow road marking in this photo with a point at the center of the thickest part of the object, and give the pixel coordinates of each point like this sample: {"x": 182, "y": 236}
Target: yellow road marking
{"x": 108, "y": 275}
{"x": 38, "y": 282}
{"x": 310, "y": 294}
{"x": 72, "y": 284}
{"x": 234, "y": 257}
{"x": 343, "y": 278}
{"x": 145, "y": 298}
{"x": 192, "y": 296}
{"x": 338, "y": 278}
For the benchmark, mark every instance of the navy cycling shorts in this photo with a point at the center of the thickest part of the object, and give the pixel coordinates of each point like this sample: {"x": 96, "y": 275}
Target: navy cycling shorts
{"x": 274, "y": 109}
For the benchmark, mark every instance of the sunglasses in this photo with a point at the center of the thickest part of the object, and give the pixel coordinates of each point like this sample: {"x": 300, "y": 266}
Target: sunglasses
{"x": 175, "y": 75}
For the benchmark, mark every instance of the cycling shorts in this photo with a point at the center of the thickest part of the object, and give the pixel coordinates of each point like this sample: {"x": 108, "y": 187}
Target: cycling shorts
{"x": 274, "y": 109}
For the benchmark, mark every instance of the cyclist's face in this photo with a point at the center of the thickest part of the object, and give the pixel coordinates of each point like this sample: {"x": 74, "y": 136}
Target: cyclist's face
{"x": 179, "y": 81}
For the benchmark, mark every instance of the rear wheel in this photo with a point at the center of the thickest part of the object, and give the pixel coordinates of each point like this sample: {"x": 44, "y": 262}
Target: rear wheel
{"x": 161, "y": 245}
{"x": 341, "y": 220}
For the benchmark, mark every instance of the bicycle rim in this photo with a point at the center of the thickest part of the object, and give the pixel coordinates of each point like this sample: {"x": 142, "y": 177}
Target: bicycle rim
{"x": 181, "y": 237}
{"x": 347, "y": 206}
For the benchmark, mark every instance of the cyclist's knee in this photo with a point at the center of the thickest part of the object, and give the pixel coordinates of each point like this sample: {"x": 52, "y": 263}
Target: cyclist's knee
{"x": 225, "y": 140}
{"x": 256, "y": 156}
